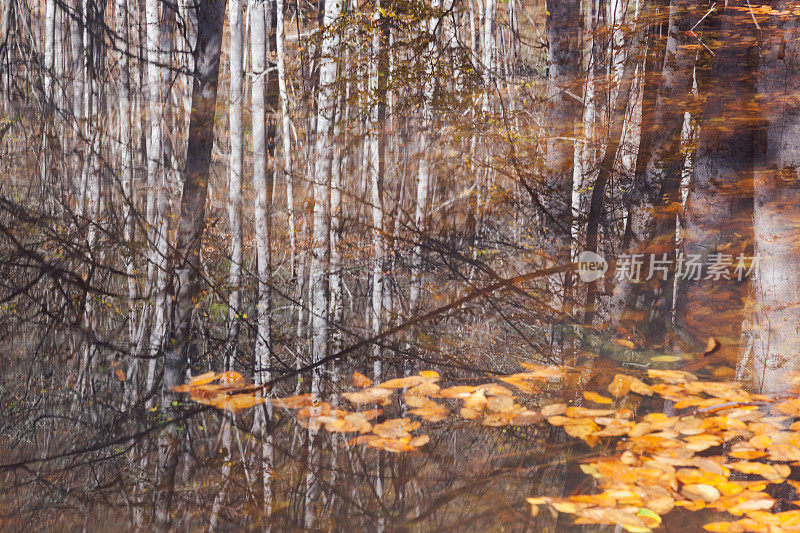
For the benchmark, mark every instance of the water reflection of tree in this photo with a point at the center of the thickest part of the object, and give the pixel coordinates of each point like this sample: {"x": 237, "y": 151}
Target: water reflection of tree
{"x": 435, "y": 159}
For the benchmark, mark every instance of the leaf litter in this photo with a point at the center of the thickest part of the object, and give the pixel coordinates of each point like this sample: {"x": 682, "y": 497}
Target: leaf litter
{"x": 721, "y": 452}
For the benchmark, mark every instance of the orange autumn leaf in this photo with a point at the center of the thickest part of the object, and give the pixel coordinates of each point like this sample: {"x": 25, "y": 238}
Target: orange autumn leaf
{"x": 619, "y": 386}
{"x": 229, "y": 377}
{"x": 625, "y": 343}
{"x": 401, "y": 383}
{"x": 202, "y": 379}
{"x": 395, "y": 428}
{"x": 361, "y": 381}
{"x": 597, "y": 398}
{"x": 236, "y": 402}
{"x": 371, "y": 395}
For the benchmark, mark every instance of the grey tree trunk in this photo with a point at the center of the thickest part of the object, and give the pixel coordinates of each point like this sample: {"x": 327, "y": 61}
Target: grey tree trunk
{"x": 655, "y": 192}
{"x": 286, "y": 146}
{"x": 562, "y": 113}
{"x": 376, "y": 187}
{"x": 236, "y": 131}
{"x": 777, "y": 207}
{"x": 209, "y": 17}
{"x": 718, "y": 218}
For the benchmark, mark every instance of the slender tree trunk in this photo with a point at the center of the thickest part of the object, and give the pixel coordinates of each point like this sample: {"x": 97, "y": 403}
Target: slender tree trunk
{"x": 49, "y": 48}
{"x": 127, "y": 172}
{"x": 376, "y": 187}
{"x": 563, "y": 111}
{"x": 286, "y": 146}
{"x": 320, "y": 252}
{"x": 235, "y": 59}
{"x": 158, "y": 57}
{"x": 264, "y": 130}
{"x": 323, "y": 155}
{"x": 606, "y": 170}
{"x": 209, "y": 16}
{"x": 423, "y": 171}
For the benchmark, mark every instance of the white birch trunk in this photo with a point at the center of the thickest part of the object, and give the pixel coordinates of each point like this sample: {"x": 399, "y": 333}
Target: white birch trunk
{"x": 323, "y": 154}
{"x": 235, "y": 58}
{"x": 317, "y": 278}
{"x": 376, "y": 187}
{"x": 49, "y": 48}
{"x": 157, "y": 57}
{"x": 423, "y": 173}
{"x": 285, "y": 139}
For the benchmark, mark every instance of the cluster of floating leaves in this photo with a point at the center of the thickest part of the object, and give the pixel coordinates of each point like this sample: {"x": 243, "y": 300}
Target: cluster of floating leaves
{"x": 721, "y": 452}
{"x": 720, "y": 455}
{"x": 494, "y": 404}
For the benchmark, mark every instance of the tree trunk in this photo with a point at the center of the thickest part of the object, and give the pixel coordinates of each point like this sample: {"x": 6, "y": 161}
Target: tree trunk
{"x": 777, "y": 206}
{"x": 209, "y": 17}
{"x": 606, "y": 170}
{"x": 719, "y": 205}
{"x": 563, "y": 111}
{"x": 323, "y": 155}
{"x": 286, "y": 146}
{"x": 376, "y": 187}
{"x": 236, "y": 130}
{"x": 655, "y": 193}
{"x": 264, "y": 130}
{"x": 423, "y": 171}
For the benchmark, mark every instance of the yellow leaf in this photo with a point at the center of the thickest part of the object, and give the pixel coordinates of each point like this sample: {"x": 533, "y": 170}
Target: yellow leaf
{"x": 202, "y": 379}
{"x": 597, "y": 398}
{"x": 395, "y": 428}
{"x": 666, "y": 358}
{"x": 431, "y": 412}
{"x": 401, "y": 383}
{"x": 554, "y": 409}
{"x": 706, "y": 493}
{"x": 711, "y": 346}
{"x": 619, "y": 386}
{"x": 624, "y": 343}
{"x": 237, "y": 402}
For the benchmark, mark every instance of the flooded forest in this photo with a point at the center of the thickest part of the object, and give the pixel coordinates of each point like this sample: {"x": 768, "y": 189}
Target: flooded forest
{"x": 400, "y": 265}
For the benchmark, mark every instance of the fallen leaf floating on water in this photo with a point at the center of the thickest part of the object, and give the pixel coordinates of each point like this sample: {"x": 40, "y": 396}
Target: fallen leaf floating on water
{"x": 624, "y": 343}
{"x": 597, "y": 398}
{"x": 294, "y": 402}
{"x": 236, "y": 402}
{"x": 658, "y": 467}
{"x": 229, "y": 377}
{"x": 746, "y": 439}
{"x": 361, "y": 381}
{"x": 371, "y": 395}
{"x": 712, "y": 346}
{"x": 202, "y": 379}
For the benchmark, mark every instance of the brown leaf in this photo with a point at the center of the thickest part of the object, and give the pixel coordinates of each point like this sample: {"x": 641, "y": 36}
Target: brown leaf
{"x": 294, "y": 402}
{"x": 371, "y": 395}
{"x": 711, "y": 346}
